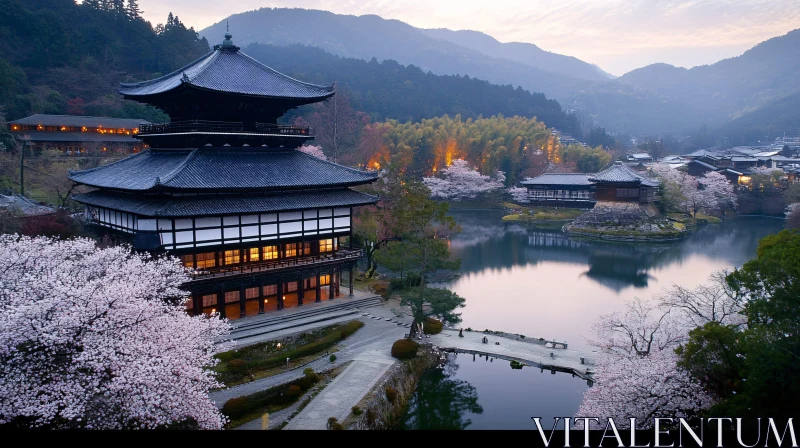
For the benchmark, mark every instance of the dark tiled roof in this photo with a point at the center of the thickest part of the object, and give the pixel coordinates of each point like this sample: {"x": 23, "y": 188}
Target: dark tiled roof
{"x": 231, "y": 71}
{"x": 704, "y": 164}
{"x": 558, "y": 179}
{"x": 619, "y": 172}
{"x": 226, "y": 168}
{"x": 76, "y": 120}
{"x": 170, "y": 206}
{"x": 79, "y": 137}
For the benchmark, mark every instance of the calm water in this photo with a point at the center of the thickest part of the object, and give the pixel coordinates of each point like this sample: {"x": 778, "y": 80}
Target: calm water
{"x": 542, "y": 284}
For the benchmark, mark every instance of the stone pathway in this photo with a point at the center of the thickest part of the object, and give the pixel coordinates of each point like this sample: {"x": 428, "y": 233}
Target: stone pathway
{"x": 376, "y": 333}
{"x": 346, "y": 391}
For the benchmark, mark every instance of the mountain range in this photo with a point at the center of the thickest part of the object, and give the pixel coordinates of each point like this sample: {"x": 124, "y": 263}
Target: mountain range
{"x": 656, "y": 99}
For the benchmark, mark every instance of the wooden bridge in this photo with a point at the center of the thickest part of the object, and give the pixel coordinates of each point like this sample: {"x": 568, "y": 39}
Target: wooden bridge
{"x": 544, "y": 354}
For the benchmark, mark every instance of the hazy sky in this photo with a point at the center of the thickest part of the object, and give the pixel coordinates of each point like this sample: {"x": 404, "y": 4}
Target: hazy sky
{"x": 617, "y": 35}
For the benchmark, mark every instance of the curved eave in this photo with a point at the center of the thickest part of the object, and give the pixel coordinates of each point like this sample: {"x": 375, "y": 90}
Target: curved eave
{"x": 148, "y": 98}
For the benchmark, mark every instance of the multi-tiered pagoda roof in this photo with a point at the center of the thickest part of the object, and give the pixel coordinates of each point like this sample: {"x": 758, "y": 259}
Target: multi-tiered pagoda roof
{"x": 224, "y": 187}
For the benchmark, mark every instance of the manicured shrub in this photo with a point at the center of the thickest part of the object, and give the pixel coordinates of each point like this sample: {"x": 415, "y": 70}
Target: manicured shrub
{"x": 516, "y": 364}
{"x": 372, "y": 416}
{"x": 332, "y": 358}
{"x": 333, "y": 424}
{"x": 431, "y": 326}
{"x": 237, "y": 365}
{"x": 356, "y": 410}
{"x": 404, "y": 349}
{"x": 391, "y": 394}
{"x": 308, "y": 370}
{"x": 294, "y": 391}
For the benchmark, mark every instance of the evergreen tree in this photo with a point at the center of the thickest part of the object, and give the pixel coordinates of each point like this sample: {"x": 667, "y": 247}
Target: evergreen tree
{"x": 118, "y": 7}
{"x": 134, "y": 13}
{"x": 170, "y": 21}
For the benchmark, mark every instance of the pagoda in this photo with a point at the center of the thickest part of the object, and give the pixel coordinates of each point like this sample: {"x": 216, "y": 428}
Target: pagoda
{"x": 224, "y": 188}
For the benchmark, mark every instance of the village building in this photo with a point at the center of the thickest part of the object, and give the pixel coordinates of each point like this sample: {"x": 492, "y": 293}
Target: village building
{"x": 223, "y": 187}
{"x": 79, "y": 135}
{"x": 618, "y": 183}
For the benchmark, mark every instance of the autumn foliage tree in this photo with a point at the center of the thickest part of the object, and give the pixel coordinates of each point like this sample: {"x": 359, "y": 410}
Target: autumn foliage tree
{"x": 99, "y": 339}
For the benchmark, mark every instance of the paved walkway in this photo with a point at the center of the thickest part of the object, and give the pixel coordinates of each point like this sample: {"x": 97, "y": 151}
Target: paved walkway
{"x": 526, "y": 352}
{"x": 377, "y": 333}
{"x": 346, "y": 391}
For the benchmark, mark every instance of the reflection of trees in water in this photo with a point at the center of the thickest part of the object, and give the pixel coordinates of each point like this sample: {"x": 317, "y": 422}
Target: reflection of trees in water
{"x": 441, "y": 401}
{"x": 490, "y": 244}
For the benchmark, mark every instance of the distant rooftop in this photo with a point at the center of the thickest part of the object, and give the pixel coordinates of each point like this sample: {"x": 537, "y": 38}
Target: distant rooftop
{"x": 80, "y": 121}
{"x": 24, "y": 205}
{"x": 558, "y": 179}
{"x": 619, "y": 172}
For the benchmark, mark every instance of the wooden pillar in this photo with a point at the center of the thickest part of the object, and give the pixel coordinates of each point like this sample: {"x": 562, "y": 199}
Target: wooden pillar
{"x": 280, "y": 294}
{"x": 221, "y": 302}
{"x": 197, "y": 303}
{"x": 319, "y": 288}
{"x": 331, "y": 286}
{"x": 350, "y": 281}
{"x": 301, "y": 290}
{"x": 261, "y": 297}
{"x": 242, "y": 298}
{"x": 338, "y": 281}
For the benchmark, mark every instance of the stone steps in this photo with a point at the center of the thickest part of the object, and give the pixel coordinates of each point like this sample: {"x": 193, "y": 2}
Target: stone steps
{"x": 304, "y": 318}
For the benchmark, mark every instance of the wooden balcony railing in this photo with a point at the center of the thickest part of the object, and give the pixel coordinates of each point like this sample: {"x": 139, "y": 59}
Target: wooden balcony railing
{"x": 343, "y": 254}
{"x": 221, "y": 126}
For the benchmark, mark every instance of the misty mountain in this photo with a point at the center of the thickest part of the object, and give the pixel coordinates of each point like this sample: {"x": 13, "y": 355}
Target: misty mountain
{"x": 662, "y": 98}
{"x": 524, "y": 53}
{"x": 368, "y": 36}
{"x": 389, "y": 90}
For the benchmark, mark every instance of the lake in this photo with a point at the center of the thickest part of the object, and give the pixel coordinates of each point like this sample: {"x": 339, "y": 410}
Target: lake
{"x": 540, "y": 283}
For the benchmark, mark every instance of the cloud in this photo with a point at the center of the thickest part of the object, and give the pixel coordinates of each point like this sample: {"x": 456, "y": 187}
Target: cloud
{"x": 618, "y": 35}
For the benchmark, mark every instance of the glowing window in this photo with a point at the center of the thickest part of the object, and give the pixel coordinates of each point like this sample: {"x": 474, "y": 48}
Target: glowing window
{"x": 206, "y": 260}
{"x": 270, "y": 252}
{"x": 307, "y": 248}
{"x": 325, "y": 279}
{"x": 291, "y": 249}
{"x": 254, "y": 255}
{"x": 187, "y": 260}
{"x": 325, "y": 245}
{"x": 231, "y": 257}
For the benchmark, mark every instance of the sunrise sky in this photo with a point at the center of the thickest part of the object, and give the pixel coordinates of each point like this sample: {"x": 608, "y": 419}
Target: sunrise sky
{"x": 617, "y": 35}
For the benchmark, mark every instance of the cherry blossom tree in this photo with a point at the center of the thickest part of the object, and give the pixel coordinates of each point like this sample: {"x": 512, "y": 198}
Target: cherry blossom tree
{"x": 312, "y": 150}
{"x": 459, "y": 181}
{"x": 643, "y": 328}
{"x": 518, "y": 194}
{"x": 99, "y": 339}
{"x": 711, "y": 193}
{"x": 637, "y": 375}
{"x": 714, "y": 301}
{"x": 641, "y": 387}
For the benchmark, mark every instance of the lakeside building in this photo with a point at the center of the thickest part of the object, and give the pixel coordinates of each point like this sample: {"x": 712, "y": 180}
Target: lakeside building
{"x": 79, "y": 135}
{"x": 617, "y": 183}
{"x": 223, "y": 187}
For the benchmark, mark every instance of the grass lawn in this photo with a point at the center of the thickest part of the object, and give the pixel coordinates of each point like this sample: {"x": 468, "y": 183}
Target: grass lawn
{"x": 268, "y": 358}
{"x": 241, "y": 410}
{"x": 534, "y": 214}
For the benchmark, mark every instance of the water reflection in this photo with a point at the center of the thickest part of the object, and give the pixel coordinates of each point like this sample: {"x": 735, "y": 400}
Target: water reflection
{"x": 542, "y": 283}
{"x": 486, "y": 243}
{"x": 442, "y": 401}
{"x": 482, "y": 393}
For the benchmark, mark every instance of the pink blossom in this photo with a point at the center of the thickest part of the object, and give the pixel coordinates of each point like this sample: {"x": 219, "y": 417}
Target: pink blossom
{"x": 312, "y": 150}
{"x": 459, "y": 181}
{"x": 99, "y": 338}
